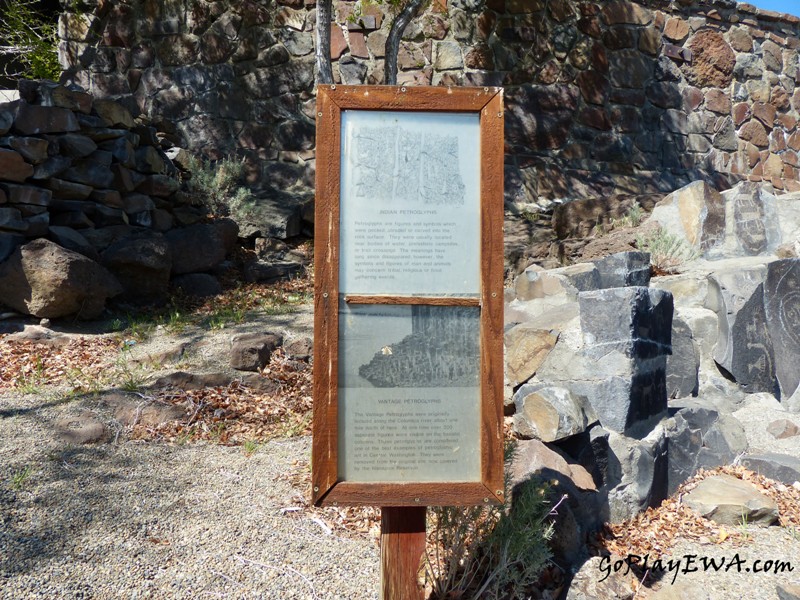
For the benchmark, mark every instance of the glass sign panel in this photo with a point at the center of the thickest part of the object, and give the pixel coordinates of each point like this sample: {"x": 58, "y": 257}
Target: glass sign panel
{"x": 409, "y": 393}
{"x": 410, "y": 203}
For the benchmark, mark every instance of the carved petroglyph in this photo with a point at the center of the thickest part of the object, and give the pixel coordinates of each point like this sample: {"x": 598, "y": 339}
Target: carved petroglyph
{"x": 782, "y": 306}
{"x": 750, "y": 227}
{"x": 398, "y": 165}
{"x": 752, "y": 362}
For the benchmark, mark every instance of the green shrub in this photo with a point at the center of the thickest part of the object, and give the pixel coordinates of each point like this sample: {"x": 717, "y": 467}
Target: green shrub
{"x": 489, "y": 552}
{"x": 668, "y": 252}
{"x": 217, "y": 185}
{"x": 22, "y": 26}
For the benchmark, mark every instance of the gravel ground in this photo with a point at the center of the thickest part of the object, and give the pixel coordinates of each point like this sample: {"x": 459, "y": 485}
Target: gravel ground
{"x": 132, "y": 519}
{"x": 146, "y": 520}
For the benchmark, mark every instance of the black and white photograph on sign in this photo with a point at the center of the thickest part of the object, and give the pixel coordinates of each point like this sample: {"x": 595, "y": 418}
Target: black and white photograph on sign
{"x": 410, "y": 203}
{"x": 409, "y": 393}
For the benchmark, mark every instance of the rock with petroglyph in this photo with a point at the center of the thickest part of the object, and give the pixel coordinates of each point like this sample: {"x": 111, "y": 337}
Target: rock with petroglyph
{"x": 744, "y": 347}
{"x": 782, "y": 314}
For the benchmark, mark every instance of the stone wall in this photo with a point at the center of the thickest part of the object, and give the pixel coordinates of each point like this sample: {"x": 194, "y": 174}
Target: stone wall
{"x": 82, "y": 173}
{"x": 603, "y": 98}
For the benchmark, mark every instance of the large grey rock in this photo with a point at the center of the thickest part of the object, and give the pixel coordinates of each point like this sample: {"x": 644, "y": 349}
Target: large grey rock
{"x": 549, "y": 413}
{"x": 731, "y": 501}
{"x": 113, "y": 113}
{"x": 252, "y": 351}
{"x": 695, "y": 213}
{"x": 6, "y": 119}
{"x": 535, "y": 282}
{"x": 46, "y": 280}
{"x": 699, "y": 436}
{"x": 201, "y": 247}
{"x": 276, "y": 218}
{"x": 50, "y": 93}
{"x": 688, "y": 289}
{"x": 622, "y": 366}
{"x": 634, "y": 320}
{"x": 142, "y": 264}
{"x": 526, "y": 346}
{"x": 31, "y": 119}
{"x": 149, "y": 160}
{"x": 624, "y": 269}
{"x": 636, "y": 473}
{"x": 780, "y": 467}
{"x": 122, "y": 150}
{"x": 702, "y": 324}
{"x": 782, "y": 313}
{"x": 744, "y": 348}
{"x": 684, "y": 362}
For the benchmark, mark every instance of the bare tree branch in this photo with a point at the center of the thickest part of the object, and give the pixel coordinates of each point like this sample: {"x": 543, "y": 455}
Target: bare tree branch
{"x": 323, "y": 52}
{"x": 393, "y": 41}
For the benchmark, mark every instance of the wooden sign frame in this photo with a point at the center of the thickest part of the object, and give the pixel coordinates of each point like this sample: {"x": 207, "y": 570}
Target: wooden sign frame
{"x": 487, "y": 103}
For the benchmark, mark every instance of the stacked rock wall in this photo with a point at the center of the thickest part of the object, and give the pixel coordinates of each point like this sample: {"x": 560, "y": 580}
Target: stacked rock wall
{"x": 603, "y": 98}
{"x": 96, "y": 184}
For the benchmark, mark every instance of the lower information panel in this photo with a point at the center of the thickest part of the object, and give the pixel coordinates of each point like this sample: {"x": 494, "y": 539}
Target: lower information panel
{"x": 409, "y": 394}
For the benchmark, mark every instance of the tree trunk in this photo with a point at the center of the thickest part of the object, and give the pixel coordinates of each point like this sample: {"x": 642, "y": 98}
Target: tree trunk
{"x": 323, "y": 52}
{"x": 393, "y": 41}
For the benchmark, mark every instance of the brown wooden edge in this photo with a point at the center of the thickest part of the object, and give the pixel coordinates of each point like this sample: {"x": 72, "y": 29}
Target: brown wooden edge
{"x": 492, "y": 249}
{"x": 324, "y": 454}
{"x": 389, "y": 97}
{"x": 331, "y": 100}
{"x": 459, "y": 493}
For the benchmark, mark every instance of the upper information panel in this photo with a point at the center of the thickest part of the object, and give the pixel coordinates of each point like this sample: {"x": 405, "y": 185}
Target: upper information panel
{"x": 410, "y": 203}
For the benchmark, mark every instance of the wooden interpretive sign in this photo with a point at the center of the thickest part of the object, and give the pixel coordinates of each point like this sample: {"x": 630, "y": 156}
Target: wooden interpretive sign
{"x": 408, "y": 331}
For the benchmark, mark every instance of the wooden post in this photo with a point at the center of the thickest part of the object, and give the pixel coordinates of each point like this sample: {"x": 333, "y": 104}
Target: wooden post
{"x": 402, "y": 547}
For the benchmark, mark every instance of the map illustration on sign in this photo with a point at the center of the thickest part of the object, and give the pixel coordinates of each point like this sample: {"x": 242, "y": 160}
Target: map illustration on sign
{"x": 398, "y": 165}
{"x": 410, "y": 203}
